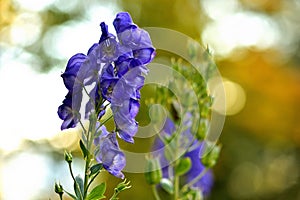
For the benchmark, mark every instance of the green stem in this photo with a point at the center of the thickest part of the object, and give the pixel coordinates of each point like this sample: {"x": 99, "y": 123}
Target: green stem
{"x": 155, "y": 193}
{"x": 195, "y": 180}
{"x": 82, "y": 126}
{"x": 92, "y": 180}
{"x": 86, "y": 176}
{"x": 114, "y": 196}
{"x": 75, "y": 182}
{"x": 176, "y": 177}
{"x": 176, "y": 187}
{"x": 90, "y": 138}
{"x": 106, "y": 120}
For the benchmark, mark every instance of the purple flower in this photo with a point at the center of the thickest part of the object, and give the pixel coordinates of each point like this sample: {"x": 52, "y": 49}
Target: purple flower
{"x": 69, "y": 110}
{"x": 134, "y": 38}
{"x": 73, "y": 66}
{"x": 108, "y": 81}
{"x": 93, "y": 105}
{"x": 206, "y": 182}
{"x": 125, "y": 103}
{"x": 109, "y": 153}
{"x": 90, "y": 68}
{"x": 124, "y": 116}
{"x": 192, "y": 151}
{"x": 105, "y": 34}
{"x": 116, "y": 66}
{"x": 123, "y": 22}
{"x": 114, "y": 70}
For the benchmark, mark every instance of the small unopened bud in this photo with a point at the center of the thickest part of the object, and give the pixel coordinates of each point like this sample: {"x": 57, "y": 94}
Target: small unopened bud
{"x": 211, "y": 158}
{"x": 123, "y": 186}
{"x": 58, "y": 189}
{"x": 183, "y": 166}
{"x": 153, "y": 172}
{"x": 68, "y": 157}
{"x": 167, "y": 185}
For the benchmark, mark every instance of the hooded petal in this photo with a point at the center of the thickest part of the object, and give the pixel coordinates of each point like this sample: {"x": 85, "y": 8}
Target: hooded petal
{"x": 72, "y": 69}
{"x": 123, "y": 22}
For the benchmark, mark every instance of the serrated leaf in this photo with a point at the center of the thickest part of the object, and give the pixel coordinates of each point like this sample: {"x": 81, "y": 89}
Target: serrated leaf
{"x": 78, "y": 187}
{"x": 85, "y": 152}
{"x": 97, "y": 193}
{"x": 96, "y": 168}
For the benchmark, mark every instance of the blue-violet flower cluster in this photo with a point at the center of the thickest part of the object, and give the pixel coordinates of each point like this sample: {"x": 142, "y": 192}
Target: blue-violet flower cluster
{"x": 193, "y": 150}
{"x": 114, "y": 68}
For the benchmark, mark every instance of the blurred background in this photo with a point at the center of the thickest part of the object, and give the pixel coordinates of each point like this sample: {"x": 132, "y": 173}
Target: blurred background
{"x": 256, "y": 44}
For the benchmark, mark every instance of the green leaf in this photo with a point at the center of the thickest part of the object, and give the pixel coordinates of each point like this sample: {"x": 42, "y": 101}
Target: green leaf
{"x": 167, "y": 185}
{"x": 78, "y": 187}
{"x": 97, "y": 193}
{"x": 96, "y": 168}
{"x": 183, "y": 166}
{"x": 85, "y": 152}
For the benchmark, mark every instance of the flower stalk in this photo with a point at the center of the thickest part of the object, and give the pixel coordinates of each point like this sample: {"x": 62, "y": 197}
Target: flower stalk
{"x": 112, "y": 74}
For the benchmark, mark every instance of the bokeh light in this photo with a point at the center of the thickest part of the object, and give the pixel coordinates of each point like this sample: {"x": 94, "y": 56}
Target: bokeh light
{"x": 256, "y": 45}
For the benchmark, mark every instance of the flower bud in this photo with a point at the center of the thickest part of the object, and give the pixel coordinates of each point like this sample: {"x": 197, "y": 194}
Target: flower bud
{"x": 167, "y": 185}
{"x": 211, "y": 158}
{"x": 58, "y": 189}
{"x": 183, "y": 166}
{"x": 153, "y": 172}
{"x": 68, "y": 157}
{"x": 123, "y": 186}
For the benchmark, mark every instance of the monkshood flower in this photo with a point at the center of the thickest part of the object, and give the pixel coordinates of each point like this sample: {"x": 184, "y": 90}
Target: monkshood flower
{"x": 203, "y": 184}
{"x": 109, "y": 153}
{"x": 69, "y": 110}
{"x": 108, "y": 62}
{"x": 206, "y": 182}
{"x": 114, "y": 70}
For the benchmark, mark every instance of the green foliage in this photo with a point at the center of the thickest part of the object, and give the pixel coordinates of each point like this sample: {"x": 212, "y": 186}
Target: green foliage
{"x": 96, "y": 168}
{"x": 78, "y": 187}
{"x": 192, "y": 195}
{"x": 84, "y": 151}
{"x": 153, "y": 172}
{"x": 120, "y": 187}
{"x": 68, "y": 157}
{"x": 183, "y": 166}
{"x": 97, "y": 193}
{"x": 212, "y": 157}
{"x": 58, "y": 188}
